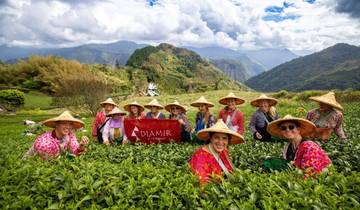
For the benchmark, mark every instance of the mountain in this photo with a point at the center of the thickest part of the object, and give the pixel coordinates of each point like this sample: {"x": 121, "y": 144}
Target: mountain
{"x": 89, "y": 53}
{"x": 232, "y": 68}
{"x": 251, "y": 66}
{"x": 271, "y": 57}
{"x": 176, "y": 70}
{"x": 336, "y": 67}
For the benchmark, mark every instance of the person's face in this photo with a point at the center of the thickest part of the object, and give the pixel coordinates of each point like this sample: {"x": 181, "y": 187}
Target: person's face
{"x": 289, "y": 130}
{"x": 108, "y": 108}
{"x": 231, "y": 102}
{"x": 154, "y": 109}
{"x": 219, "y": 142}
{"x": 116, "y": 116}
{"x": 63, "y": 128}
{"x": 203, "y": 108}
{"x": 324, "y": 107}
{"x": 175, "y": 110}
{"x": 134, "y": 109}
{"x": 264, "y": 106}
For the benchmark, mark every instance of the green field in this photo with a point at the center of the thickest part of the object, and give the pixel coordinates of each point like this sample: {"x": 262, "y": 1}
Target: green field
{"x": 158, "y": 177}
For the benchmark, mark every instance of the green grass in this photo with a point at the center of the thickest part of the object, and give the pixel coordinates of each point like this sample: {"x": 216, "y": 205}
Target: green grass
{"x": 158, "y": 177}
{"x": 34, "y": 100}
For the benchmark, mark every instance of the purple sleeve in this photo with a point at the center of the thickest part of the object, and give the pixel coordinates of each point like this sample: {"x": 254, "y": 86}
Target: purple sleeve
{"x": 253, "y": 122}
{"x": 338, "y": 128}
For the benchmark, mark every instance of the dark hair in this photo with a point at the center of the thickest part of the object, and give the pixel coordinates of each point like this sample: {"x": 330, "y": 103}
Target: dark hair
{"x": 212, "y": 133}
{"x": 297, "y": 124}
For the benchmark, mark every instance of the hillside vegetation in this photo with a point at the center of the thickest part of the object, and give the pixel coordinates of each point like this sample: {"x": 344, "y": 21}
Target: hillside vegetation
{"x": 337, "y": 67}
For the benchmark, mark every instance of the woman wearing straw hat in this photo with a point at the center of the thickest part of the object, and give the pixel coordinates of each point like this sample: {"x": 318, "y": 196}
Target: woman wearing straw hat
{"x": 177, "y": 112}
{"x": 204, "y": 118}
{"x": 99, "y": 122}
{"x": 114, "y": 132}
{"x": 265, "y": 114}
{"x": 136, "y": 111}
{"x": 328, "y": 117}
{"x": 232, "y": 117}
{"x": 213, "y": 160}
{"x": 306, "y": 155}
{"x": 61, "y": 139}
{"x": 154, "y": 113}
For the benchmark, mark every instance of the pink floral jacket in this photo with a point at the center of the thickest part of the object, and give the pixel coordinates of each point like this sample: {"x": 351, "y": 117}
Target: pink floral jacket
{"x": 333, "y": 120}
{"x": 47, "y": 145}
{"x": 203, "y": 164}
{"x": 310, "y": 158}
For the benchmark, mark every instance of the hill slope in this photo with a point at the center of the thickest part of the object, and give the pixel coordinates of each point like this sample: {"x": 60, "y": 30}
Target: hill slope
{"x": 271, "y": 57}
{"x": 177, "y": 70}
{"x": 232, "y": 68}
{"x": 336, "y": 67}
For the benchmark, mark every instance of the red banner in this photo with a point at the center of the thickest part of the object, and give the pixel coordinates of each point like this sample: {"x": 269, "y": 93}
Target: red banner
{"x": 151, "y": 131}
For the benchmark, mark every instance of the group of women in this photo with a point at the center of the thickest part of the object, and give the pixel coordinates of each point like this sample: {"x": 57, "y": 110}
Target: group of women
{"x": 212, "y": 160}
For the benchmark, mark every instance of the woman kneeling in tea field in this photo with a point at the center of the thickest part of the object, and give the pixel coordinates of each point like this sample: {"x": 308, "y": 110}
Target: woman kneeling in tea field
{"x": 61, "y": 139}
{"x": 178, "y": 112}
{"x": 100, "y": 119}
{"x": 155, "y": 108}
{"x": 305, "y": 154}
{"x": 260, "y": 119}
{"x": 213, "y": 158}
{"x": 114, "y": 132}
{"x": 231, "y": 115}
{"x": 136, "y": 111}
{"x": 328, "y": 117}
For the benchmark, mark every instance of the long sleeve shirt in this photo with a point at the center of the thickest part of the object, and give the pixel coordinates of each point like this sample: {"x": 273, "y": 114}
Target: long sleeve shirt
{"x": 109, "y": 131}
{"x": 48, "y": 145}
{"x": 201, "y": 124}
{"x": 237, "y": 122}
{"x": 204, "y": 165}
{"x": 258, "y": 120}
{"x": 309, "y": 157}
{"x": 98, "y": 122}
{"x": 333, "y": 121}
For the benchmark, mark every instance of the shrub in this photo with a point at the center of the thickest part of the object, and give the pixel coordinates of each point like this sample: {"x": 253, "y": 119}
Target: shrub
{"x": 12, "y": 98}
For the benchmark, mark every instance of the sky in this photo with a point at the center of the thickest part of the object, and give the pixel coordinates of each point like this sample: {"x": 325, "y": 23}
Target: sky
{"x": 298, "y": 25}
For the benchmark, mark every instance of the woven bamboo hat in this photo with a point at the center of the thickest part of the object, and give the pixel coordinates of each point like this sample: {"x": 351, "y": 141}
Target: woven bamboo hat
{"x": 116, "y": 110}
{"x": 329, "y": 99}
{"x": 64, "y": 117}
{"x": 272, "y": 101}
{"x": 220, "y": 127}
{"x": 200, "y": 101}
{"x": 154, "y": 102}
{"x": 108, "y": 101}
{"x": 134, "y": 103}
{"x": 305, "y": 126}
{"x": 231, "y": 95}
{"x": 175, "y": 103}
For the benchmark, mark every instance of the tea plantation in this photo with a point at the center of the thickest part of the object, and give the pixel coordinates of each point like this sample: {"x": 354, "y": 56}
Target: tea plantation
{"x": 158, "y": 177}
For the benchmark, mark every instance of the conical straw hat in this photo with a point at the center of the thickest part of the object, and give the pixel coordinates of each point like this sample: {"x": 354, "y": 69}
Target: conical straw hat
{"x": 154, "y": 102}
{"x": 200, "y": 101}
{"x": 127, "y": 106}
{"x": 272, "y": 101}
{"x": 108, "y": 101}
{"x": 175, "y": 103}
{"x": 329, "y": 99}
{"x": 65, "y": 116}
{"x": 231, "y": 95}
{"x": 116, "y": 110}
{"x": 220, "y": 127}
{"x": 306, "y": 127}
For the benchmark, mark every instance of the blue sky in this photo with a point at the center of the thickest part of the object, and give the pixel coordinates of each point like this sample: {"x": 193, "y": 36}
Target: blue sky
{"x": 237, "y": 24}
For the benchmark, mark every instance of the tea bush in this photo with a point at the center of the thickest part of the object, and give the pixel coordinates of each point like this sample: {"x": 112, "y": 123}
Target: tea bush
{"x": 158, "y": 177}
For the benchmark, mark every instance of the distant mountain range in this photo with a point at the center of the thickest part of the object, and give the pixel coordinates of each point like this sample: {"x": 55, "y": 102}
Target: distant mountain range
{"x": 252, "y": 62}
{"x": 88, "y": 53}
{"x": 336, "y": 67}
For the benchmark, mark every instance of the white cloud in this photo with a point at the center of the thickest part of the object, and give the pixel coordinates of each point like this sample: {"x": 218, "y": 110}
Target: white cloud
{"x": 235, "y": 24}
